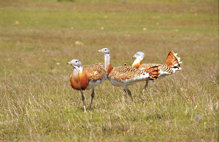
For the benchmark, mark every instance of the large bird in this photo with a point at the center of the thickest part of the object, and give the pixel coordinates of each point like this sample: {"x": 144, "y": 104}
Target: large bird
{"x": 124, "y": 76}
{"x": 171, "y": 65}
{"x": 86, "y": 77}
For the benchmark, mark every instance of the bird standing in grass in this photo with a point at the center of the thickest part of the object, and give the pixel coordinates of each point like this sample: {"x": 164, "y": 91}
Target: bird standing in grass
{"x": 124, "y": 76}
{"x": 86, "y": 77}
{"x": 171, "y": 65}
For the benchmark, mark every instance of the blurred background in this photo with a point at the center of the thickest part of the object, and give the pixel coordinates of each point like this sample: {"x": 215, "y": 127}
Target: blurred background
{"x": 38, "y": 38}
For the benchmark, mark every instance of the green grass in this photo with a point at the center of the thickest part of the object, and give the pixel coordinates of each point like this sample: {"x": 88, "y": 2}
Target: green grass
{"x": 37, "y": 39}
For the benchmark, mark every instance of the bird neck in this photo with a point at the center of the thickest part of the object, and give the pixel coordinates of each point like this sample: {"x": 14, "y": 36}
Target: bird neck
{"x": 137, "y": 62}
{"x": 106, "y": 61}
{"x": 107, "y": 64}
{"x": 77, "y": 71}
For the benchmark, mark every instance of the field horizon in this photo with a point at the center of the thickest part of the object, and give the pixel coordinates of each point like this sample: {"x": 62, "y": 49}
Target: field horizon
{"x": 38, "y": 38}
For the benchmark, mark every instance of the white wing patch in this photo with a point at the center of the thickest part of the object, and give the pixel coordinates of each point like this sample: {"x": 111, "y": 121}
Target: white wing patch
{"x": 164, "y": 72}
{"x": 176, "y": 67}
{"x": 92, "y": 83}
{"x": 95, "y": 73}
{"x": 130, "y": 81}
{"x": 178, "y": 58}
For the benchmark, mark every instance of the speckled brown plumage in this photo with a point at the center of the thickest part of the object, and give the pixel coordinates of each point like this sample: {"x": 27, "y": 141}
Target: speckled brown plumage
{"x": 94, "y": 72}
{"x": 147, "y": 66}
{"x": 153, "y": 71}
{"x": 81, "y": 80}
{"x": 125, "y": 72}
{"x": 163, "y": 67}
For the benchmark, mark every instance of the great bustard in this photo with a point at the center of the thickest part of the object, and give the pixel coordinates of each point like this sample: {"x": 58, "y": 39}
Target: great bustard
{"x": 86, "y": 77}
{"x": 171, "y": 65}
{"x": 126, "y": 75}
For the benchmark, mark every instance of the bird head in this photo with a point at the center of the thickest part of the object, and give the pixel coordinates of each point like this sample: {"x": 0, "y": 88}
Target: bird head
{"x": 104, "y": 50}
{"x": 75, "y": 63}
{"x": 139, "y": 55}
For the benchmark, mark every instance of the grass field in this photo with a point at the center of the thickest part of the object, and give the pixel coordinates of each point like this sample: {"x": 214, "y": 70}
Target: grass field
{"x": 38, "y": 38}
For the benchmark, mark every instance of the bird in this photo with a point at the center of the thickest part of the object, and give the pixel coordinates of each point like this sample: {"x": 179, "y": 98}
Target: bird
{"x": 123, "y": 76}
{"x": 171, "y": 65}
{"x": 86, "y": 77}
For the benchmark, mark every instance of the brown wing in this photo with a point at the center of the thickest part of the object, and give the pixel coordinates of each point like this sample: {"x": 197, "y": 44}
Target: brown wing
{"x": 153, "y": 71}
{"x": 162, "y": 69}
{"x": 147, "y": 66}
{"x": 94, "y": 72}
{"x": 125, "y": 72}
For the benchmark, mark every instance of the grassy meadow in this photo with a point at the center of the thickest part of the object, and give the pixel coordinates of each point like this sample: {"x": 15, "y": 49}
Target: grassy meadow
{"x": 38, "y": 38}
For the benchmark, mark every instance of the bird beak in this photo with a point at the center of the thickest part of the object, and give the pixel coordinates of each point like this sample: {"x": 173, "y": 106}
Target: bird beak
{"x": 69, "y": 63}
{"x": 100, "y": 50}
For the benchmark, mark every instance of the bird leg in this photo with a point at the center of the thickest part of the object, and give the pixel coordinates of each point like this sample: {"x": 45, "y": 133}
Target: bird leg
{"x": 155, "y": 84}
{"x": 92, "y": 97}
{"x": 83, "y": 98}
{"x": 129, "y": 93}
{"x": 124, "y": 94}
{"x": 146, "y": 84}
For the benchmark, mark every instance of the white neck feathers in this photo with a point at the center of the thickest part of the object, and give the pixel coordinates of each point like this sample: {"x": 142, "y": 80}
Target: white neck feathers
{"x": 77, "y": 70}
{"x": 137, "y": 60}
{"x": 106, "y": 61}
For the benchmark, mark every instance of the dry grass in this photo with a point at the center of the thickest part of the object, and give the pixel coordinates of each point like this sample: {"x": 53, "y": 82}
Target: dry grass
{"x": 38, "y": 38}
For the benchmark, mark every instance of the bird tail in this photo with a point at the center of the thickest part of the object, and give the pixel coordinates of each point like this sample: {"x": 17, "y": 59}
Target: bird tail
{"x": 154, "y": 72}
{"x": 173, "y": 61}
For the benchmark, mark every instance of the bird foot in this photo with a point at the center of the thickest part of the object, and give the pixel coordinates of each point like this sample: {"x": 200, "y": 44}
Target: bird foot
{"x": 85, "y": 109}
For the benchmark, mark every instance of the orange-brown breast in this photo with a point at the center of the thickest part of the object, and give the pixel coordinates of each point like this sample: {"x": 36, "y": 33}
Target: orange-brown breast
{"x": 109, "y": 69}
{"x": 79, "y": 82}
{"x": 171, "y": 60}
{"x": 136, "y": 65}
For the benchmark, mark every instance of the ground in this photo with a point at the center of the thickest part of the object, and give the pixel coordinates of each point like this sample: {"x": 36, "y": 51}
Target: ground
{"x": 38, "y": 38}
